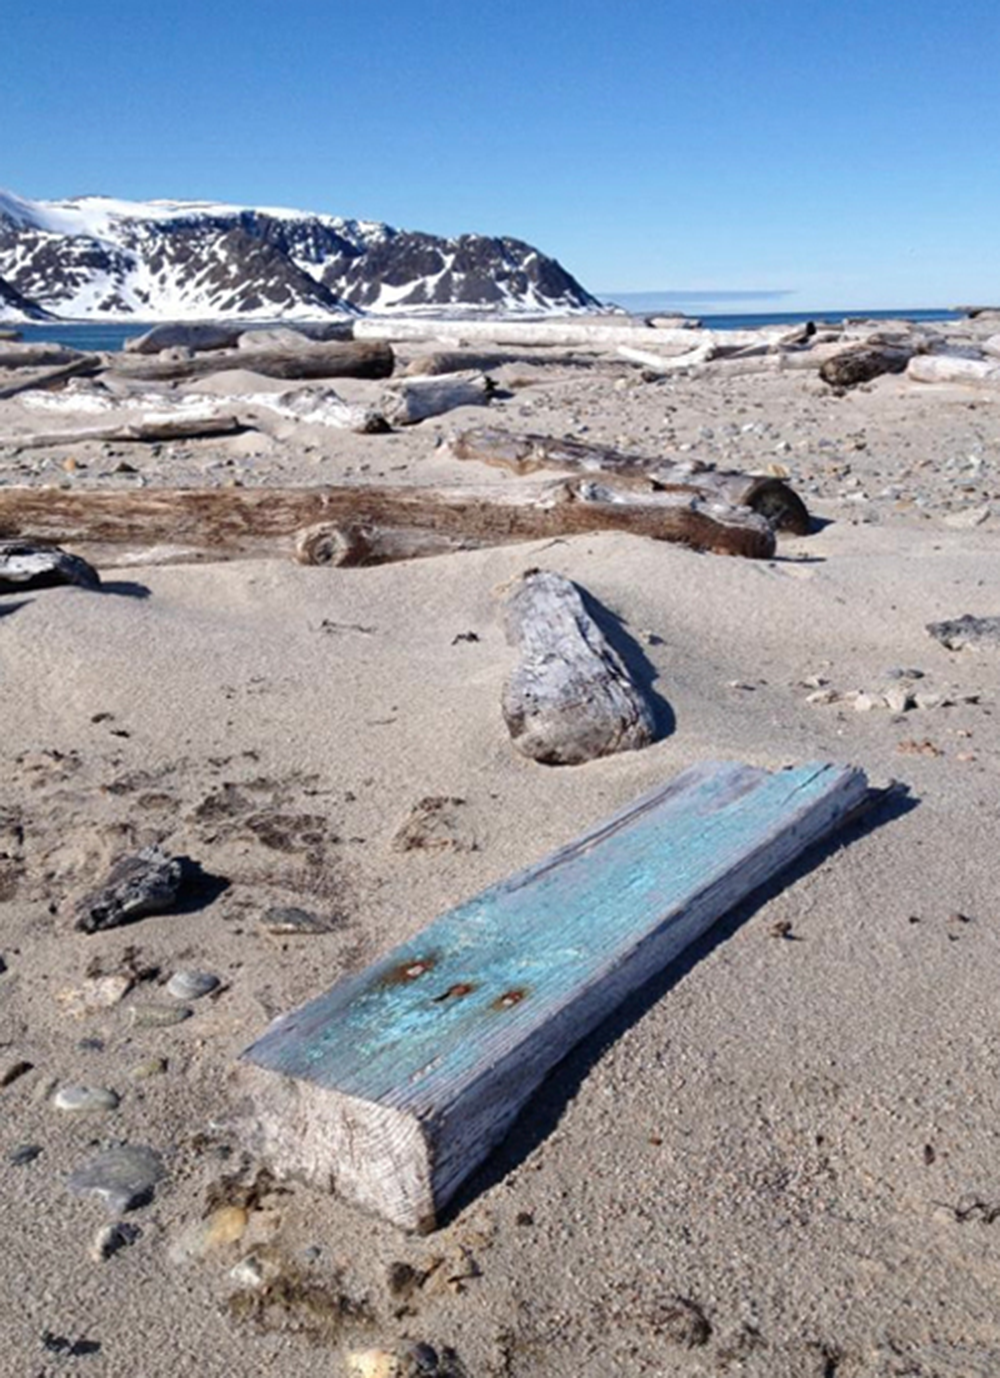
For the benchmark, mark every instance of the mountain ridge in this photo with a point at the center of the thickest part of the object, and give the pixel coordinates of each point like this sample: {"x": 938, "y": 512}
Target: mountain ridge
{"x": 99, "y": 258}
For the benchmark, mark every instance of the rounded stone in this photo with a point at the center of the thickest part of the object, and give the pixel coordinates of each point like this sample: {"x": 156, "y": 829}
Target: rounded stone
{"x": 123, "y": 1177}
{"x": 82, "y": 1100}
{"x": 159, "y": 1016}
{"x": 191, "y": 985}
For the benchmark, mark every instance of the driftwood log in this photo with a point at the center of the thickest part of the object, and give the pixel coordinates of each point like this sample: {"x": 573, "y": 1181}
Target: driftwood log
{"x": 368, "y": 525}
{"x": 460, "y": 360}
{"x": 409, "y": 400}
{"x": 945, "y": 368}
{"x": 862, "y": 362}
{"x": 569, "y": 699}
{"x": 168, "y": 428}
{"x": 223, "y": 335}
{"x": 525, "y": 454}
{"x": 594, "y": 334}
{"x": 336, "y": 359}
{"x": 37, "y": 355}
{"x": 50, "y": 377}
{"x": 393, "y": 1086}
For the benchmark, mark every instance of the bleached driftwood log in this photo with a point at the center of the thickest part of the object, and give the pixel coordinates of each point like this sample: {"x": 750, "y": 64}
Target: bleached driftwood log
{"x": 172, "y": 428}
{"x": 862, "y": 362}
{"x": 409, "y": 400}
{"x": 526, "y": 454}
{"x": 461, "y": 360}
{"x": 51, "y": 377}
{"x": 569, "y": 699}
{"x": 669, "y": 363}
{"x": 944, "y": 368}
{"x": 336, "y": 359}
{"x": 313, "y": 406}
{"x": 992, "y": 346}
{"x": 562, "y": 333}
{"x": 175, "y": 525}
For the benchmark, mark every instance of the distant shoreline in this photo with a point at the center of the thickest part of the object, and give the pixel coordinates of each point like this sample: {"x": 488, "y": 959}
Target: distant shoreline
{"x": 110, "y": 335}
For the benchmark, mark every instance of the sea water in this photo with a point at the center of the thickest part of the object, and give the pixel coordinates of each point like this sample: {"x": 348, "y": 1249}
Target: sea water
{"x": 111, "y": 335}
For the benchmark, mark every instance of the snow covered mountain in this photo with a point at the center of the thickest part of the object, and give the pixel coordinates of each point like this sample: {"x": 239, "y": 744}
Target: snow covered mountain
{"x": 97, "y": 258}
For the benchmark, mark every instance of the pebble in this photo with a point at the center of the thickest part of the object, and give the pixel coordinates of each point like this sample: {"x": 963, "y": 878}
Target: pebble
{"x": 898, "y": 672}
{"x": 24, "y": 1153}
{"x": 85, "y": 1100}
{"x": 97, "y": 993}
{"x": 191, "y": 985}
{"x": 123, "y": 1177}
{"x": 822, "y": 697}
{"x": 110, "y": 1238}
{"x": 249, "y": 1272}
{"x": 152, "y": 1067}
{"x": 287, "y": 921}
{"x": 898, "y": 699}
{"x": 159, "y": 1016}
{"x": 224, "y": 1226}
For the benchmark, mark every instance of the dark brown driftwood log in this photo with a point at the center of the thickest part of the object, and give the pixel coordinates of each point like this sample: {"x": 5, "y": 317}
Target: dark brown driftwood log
{"x": 161, "y": 525}
{"x": 569, "y": 699}
{"x": 861, "y": 363}
{"x": 525, "y": 454}
{"x": 336, "y": 359}
{"x": 50, "y": 377}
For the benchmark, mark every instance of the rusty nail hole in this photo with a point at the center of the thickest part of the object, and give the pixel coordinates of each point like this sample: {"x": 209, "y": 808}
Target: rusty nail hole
{"x": 508, "y": 999}
{"x": 407, "y": 971}
{"x": 454, "y": 992}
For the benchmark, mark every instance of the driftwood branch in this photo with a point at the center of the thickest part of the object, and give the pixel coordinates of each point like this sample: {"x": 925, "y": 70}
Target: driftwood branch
{"x": 569, "y": 699}
{"x": 861, "y": 363}
{"x": 175, "y": 525}
{"x": 459, "y": 360}
{"x": 525, "y": 454}
{"x": 337, "y": 359}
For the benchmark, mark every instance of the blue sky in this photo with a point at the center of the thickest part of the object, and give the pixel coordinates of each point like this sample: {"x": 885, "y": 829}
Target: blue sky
{"x": 845, "y": 154}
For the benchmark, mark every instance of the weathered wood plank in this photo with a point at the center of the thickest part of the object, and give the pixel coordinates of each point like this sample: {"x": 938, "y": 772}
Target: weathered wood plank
{"x": 393, "y": 1086}
{"x": 146, "y": 429}
{"x": 569, "y": 699}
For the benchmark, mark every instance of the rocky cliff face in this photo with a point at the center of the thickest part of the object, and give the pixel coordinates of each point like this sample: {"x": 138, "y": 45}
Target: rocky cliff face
{"x": 98, "y": 258}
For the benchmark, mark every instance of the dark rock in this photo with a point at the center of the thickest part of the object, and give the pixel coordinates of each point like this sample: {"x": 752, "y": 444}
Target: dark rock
{"x": 34, "y": 565}
{"x": 24, "y": 1153}
{"x": 146, "y": 883}
{"x": 977, "y": 632}
{"x": 123, "y": 1178}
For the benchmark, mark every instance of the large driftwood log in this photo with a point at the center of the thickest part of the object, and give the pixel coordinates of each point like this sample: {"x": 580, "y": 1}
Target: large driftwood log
{"x": 599, "y": 334}
{"x": 409, "y": 400}
{"x": 205, "y": 335}
{"x": 175, "y": 525}
{"x": 169, "y": 428}
{"x": 669, "y": 363}
{"x": 51, "y": 377}
{"x": 336, "y": 359}
{"x": 944, "y": 368}
{"x": 569, "y": 699}
{"x": 393, "y": 1086}
{"x": 525, "y": 454}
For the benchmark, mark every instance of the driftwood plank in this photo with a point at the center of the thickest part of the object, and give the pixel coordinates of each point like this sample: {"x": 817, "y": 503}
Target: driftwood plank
{"x": 225, "y": 523}
{"x": 141, "y": 429}
{"x": 569, "y": 698}
{"x": 50, "y": 377}
{"x": 525, "y": 454}
{"x": 394, "y": 1085}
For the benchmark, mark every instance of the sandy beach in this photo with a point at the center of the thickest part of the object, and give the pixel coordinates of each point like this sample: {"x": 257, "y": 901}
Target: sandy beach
{"x": 779, "y": 1160}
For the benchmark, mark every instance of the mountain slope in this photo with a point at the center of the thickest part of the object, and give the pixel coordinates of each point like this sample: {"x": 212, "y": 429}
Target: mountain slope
{"x": 95, "y": 257}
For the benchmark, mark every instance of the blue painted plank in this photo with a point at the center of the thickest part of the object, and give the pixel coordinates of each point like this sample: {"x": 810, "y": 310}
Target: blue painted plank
{"x": 496, "y": 990}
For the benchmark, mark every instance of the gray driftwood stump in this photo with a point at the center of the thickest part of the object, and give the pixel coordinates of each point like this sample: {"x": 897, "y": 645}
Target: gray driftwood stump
{"x": 570, "y": 698}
